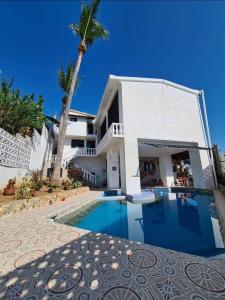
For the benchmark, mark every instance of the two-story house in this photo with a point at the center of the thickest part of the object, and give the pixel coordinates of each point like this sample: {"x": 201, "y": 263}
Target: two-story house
{"x": 147, "y": 131}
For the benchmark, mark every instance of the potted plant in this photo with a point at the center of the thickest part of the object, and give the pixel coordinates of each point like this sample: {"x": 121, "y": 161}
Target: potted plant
{"x": 10, "y": 187}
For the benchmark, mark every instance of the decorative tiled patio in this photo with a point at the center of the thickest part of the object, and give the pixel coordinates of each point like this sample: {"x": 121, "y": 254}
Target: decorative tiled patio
{"x": 40, "y": 259}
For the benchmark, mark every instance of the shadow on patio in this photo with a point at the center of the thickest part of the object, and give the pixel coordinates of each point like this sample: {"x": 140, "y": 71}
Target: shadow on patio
{"x": 97, "y": 266}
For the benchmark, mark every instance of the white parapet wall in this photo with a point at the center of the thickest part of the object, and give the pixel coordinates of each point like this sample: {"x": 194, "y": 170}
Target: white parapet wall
{"x": 19, "y": 156}
{"x": 157, "y": 111}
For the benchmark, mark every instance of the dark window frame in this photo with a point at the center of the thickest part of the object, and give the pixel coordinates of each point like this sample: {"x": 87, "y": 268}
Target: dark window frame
{"x": 113, "y": 111}
{"x": 77, "y": 143}
{"x": 103, "y": 129}
{"x": 90, "y": 130}
{"x": 73, "y": 119}
{"x": 92, "y": 141}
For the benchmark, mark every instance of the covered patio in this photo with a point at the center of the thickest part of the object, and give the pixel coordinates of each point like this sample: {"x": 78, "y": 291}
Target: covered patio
{"x": 172, "y": 163}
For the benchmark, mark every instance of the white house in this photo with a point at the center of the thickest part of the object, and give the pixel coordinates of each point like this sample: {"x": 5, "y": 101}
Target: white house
{"x": 147, "y": 131}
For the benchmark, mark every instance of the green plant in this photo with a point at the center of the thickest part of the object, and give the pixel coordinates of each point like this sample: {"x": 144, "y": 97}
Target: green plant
{"x": 76, "y": 184}
{"x": 24, "y": 189}
{"x": 19, "y": 114}
{"x": 36, "y": 177}
{"x": 66, "y": 183}
{"x": 75, "y": 173}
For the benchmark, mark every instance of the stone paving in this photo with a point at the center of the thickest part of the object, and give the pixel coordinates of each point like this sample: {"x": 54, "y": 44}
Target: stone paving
{"x": 40, "y": 259}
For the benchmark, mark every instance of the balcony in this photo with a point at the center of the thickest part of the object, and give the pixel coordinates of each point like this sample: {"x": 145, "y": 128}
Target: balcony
{"x": 75, "y": 152}
{"x": 115, "y": 132}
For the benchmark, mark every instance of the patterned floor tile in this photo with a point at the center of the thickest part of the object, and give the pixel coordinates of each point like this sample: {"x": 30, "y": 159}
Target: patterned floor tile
{"x": 40, "y": 259}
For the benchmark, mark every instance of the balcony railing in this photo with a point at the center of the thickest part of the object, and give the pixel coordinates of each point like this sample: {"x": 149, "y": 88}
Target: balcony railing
{"x": 78, "y": 151}
{"x": 115, "y": 130}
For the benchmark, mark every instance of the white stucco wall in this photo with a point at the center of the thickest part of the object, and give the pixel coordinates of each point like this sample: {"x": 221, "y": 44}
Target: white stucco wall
{"x": 113, "y": 168}
{"x": 40, "y": 149}
{"x": 68, "y": 150}
{"x": 7, "y": 173}
{"x": 161, "y": 112}
{"x": 78, "y": 128}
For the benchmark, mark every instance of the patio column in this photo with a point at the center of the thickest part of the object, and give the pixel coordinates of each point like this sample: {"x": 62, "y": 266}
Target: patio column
{"x": 166, "y": 169}
{"x": 196, "y": 167}
{"x": 113, "y": 169}
{"x": 129, "y": 162}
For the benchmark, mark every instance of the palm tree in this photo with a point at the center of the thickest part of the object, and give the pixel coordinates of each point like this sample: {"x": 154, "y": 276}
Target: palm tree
{"x": 89, "y": 30}
{"x": 65, "y": 78}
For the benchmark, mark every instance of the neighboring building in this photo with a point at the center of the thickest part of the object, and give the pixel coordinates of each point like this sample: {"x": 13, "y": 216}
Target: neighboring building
{"x": 146, "y": 132}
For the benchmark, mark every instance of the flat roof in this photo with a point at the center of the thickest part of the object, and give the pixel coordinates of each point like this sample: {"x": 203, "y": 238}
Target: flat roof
{"x": 81, "y": 114}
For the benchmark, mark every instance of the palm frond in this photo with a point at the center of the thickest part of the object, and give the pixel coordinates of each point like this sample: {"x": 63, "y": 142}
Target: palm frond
{"x": 62, "y": 79}
{"x": 75, "y": 28}
{"x": 97, "y": 31}
{"x": 94, "y": 8}
{"x": 89, "y": 29}
{"x": 65, "y": 77}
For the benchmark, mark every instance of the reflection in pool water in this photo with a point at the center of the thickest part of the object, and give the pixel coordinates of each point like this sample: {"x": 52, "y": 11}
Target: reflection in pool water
{"x": 170, "y": 223}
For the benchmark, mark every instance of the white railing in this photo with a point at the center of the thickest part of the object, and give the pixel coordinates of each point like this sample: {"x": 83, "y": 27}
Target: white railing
{"x": 115, "y": 130}
{"x": 79, "y": 152}
{"x": 76, "y": 152}
{"x": 91, "y": 178}
{"x": 86, "y": 151}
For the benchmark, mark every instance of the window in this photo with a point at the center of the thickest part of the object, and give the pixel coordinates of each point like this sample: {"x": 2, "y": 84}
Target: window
{"x": 73, "y": 119}
{"x": 146, "y": 166}
{"x": 90, "y": 144}
{"x": 113, "y": 113}
{"x": 77, "y": 143}
{"x": 90, "y": 128}
{"x": 103, "y": 129}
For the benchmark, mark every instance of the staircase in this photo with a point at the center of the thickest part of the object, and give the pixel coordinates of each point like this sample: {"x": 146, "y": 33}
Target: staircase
{"x": 88, "y": 177}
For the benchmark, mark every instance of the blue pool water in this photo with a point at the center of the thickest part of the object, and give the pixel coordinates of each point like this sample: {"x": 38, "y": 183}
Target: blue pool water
{"x": 170, "y": 223}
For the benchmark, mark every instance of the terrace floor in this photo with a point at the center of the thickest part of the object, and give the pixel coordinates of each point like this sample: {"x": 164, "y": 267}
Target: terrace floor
{"x": 40, "y": 259}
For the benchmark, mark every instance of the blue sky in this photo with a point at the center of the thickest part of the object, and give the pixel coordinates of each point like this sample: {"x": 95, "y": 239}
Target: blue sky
{"x": 181, "y": 41}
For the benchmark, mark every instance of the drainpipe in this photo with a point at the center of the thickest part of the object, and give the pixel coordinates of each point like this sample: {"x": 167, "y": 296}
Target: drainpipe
{"x": 209, "y": 139}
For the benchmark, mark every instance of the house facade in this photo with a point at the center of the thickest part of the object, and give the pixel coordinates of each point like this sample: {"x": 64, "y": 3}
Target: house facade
{"x": 147, "y": 132}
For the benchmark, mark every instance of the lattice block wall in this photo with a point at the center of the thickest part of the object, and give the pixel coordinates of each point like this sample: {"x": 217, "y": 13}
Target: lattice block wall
{"x": 15, "y": 151}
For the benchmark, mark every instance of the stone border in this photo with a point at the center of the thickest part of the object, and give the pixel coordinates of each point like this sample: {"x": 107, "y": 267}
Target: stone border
{"x": 220, "y": 208}
{"x": 40, "y": 201}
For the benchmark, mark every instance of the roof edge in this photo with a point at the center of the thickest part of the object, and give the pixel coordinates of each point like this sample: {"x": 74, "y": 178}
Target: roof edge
{"x": 155, "y": 80}
{"x": 81, "y": 113}
{"x": 112, "y": 78}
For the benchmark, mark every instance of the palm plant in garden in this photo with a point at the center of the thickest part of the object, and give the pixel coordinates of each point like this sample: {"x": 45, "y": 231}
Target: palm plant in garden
{"x": 88, "y": 30}
{"x": 65, "y": 78}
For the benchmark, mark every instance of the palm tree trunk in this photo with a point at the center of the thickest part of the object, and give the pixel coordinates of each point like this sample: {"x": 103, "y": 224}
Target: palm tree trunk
{"x": 55, "y": 179}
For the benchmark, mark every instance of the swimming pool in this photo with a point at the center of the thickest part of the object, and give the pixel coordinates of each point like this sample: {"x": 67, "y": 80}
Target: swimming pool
{"x": 170, "y": 222}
